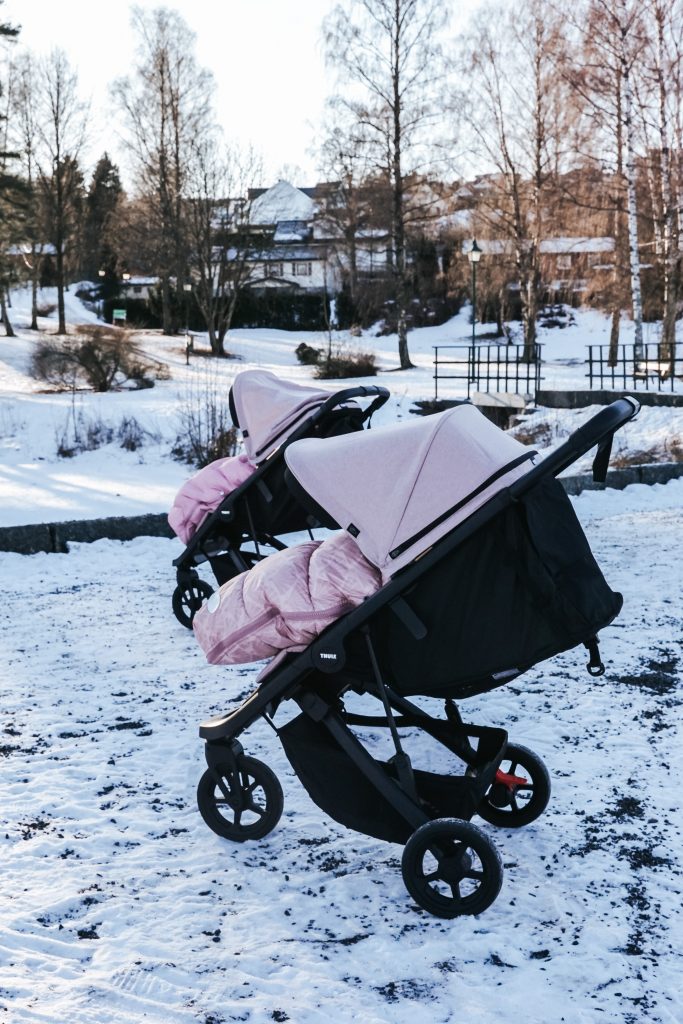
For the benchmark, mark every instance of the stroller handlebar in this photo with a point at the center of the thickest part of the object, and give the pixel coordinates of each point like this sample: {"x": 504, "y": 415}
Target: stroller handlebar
{"x": 375, "y": 391}
{"x": 598, "y": 430}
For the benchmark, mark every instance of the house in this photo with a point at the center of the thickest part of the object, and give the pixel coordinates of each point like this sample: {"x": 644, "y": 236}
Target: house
{"x": 567, "y": 263}
{"x": 296, "y": 246}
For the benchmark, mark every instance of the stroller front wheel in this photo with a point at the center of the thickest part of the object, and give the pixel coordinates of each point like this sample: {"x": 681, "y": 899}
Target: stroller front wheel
{"x": 243, "y": 804}
{"x": 451, "y": 868}
{"x": 187, "y": 600}
{"x": 520, "y": 791}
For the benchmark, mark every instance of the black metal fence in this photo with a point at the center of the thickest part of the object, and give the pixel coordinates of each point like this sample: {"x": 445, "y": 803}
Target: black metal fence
{"x": 489, "y": 368}
{"x": 633, "y": 368}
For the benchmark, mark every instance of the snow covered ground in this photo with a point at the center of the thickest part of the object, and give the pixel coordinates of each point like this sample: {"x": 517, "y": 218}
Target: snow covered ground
{"x": 38, "y": 486}
{"x": 120, "y": 906}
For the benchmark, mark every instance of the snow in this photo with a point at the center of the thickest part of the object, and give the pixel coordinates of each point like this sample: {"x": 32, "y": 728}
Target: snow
{"x": 120, "y": 906}
{"x": 281, "y": 202}
{"x": 38, "y": 486}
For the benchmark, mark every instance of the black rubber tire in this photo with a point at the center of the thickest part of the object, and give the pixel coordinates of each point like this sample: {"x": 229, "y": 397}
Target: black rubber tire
{"x": 188, "y": 599}
{"x": 261, "y": 791}
{"x": 460, "y": 855}
{"x": 536, "y": 794}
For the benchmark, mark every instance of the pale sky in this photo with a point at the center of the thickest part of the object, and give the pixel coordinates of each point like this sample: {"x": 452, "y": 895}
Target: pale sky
{"x": 266, "y": 57}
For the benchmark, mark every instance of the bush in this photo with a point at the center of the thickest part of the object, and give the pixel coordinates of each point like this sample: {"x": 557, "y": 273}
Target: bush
{"x": 339, "y": 365}
{"x": 82, "y": 434}
{"x": 206, "y": 430}
{"x": 102, "y": 357}
{"x": 307, "y": 355}
{"x": 46, "y": 309}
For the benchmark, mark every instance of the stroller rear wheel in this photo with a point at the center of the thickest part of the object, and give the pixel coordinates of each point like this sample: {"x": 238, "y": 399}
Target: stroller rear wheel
{"x": 243, "y": 804}
{"x": 450, "y": 868}
{"x": 187, "y": 600}
{"x": 520, "y": 791}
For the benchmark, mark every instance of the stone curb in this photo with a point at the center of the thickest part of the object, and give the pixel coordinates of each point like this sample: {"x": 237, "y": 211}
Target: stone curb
{"x": 55, "y": 537}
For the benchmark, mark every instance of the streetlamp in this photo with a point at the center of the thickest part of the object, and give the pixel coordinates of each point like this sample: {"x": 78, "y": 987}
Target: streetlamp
{"x": 474, "y": 255}
{"x": 187, "y": 288}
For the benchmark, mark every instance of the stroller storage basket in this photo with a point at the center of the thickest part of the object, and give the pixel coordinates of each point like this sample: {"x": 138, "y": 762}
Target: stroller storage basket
{"x": 336, "y": 783}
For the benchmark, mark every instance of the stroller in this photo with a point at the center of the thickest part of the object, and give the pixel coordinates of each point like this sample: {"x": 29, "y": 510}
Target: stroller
{"x": 486, "y": 571}
{"x": 271, "y": 413}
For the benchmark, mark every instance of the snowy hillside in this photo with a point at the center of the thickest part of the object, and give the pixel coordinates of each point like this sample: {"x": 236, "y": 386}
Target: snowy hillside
{"x": 38, "y": 486}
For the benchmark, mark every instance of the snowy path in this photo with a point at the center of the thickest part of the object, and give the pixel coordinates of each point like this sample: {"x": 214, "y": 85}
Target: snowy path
{"x": 119, "y": 906}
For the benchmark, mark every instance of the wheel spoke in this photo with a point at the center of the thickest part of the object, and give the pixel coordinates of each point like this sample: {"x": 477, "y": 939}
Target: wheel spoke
{"x": 432, "y": 876}
{"x": 455, "y": 890}
{"x": 513, "y": 802}
{"x": 477, "y": 875}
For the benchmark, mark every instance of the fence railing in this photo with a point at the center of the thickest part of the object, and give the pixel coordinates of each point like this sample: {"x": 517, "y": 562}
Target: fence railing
{"x": 489, "y": 368}
{"x": 646, "y": 367}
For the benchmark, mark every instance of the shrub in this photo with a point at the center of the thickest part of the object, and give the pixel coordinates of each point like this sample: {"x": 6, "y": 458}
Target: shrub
{"x": 338, "y": 365}
{"x": 46, "y": 309}
{"x": 83, "y": 434}
{"x": 102, "y": 357}
{"x": 307, "y": 355}
{"x": 206, "y": 430}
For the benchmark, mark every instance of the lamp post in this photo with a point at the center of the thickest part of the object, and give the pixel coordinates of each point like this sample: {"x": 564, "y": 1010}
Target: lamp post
{"x": 125, "y": 277}
{"x": 474, "y": 255}
{"x": 101, "y": 273}
{"x": 187, "y": 288}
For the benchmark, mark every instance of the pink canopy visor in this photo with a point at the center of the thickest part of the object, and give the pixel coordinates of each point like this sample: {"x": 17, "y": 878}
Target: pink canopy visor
{"x": 398, "y": 489}
{"x": 268, "y": 409}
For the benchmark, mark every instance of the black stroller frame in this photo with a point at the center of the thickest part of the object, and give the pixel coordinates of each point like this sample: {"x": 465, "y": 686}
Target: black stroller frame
{"x": 260, "y": 508}
{"x": 449, "y": 866}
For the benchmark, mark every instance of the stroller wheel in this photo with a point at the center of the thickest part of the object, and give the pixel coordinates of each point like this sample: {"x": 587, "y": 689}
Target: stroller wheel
{"x": 240, "y": 805}
{"x": 188, "y": 599}
{"x": 450, "y": 868}
{"x": 520, "y": 791}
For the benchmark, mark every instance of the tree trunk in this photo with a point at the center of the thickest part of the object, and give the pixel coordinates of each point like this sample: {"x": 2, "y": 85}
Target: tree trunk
{"x": 34, "y": 293}
{"x": 632, "y": 203}
{"x": 166, "y": 318}
{"x": 670, "y": 241}
{"x": 61, "y": 313}
{"x": 9, "y": 330}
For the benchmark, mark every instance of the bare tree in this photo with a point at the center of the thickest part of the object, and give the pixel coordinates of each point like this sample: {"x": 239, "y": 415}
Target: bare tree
{"x": 166, "y": 102}
{"x": 603, "y": 76}
{"x": 60, "y": 120}
{"x": 388, "y": 54}
{"x": 663, "y": 73}
{"x": 218, "y": 231}
{"x": 24, "y": 75}
{"x": 12, "y": 188}
{"x": 516, "y": 109}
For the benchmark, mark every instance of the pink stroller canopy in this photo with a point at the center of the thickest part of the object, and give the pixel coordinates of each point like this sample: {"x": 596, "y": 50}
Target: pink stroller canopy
{"x": 269, "y": 409}
{"x": 398, "y": 489}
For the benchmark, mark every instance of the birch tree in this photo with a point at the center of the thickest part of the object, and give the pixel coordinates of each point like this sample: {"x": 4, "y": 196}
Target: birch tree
{"x": 612, "y": 41}
{"x": 388, "y": 57}
{"x": 516, "y": 108}
{"x": 664, "y": 69}
{"x": 61, "y": 118}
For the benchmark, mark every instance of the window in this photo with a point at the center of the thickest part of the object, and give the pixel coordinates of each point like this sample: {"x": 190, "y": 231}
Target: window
{"x": 302, "y": 269}
{"x": 275, "y": 269}
{"x": 137, "y": 289}
{"x": 564, "y": 262}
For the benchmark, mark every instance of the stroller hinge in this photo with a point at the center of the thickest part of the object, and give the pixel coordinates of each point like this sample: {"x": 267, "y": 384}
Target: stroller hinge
{"x": 404, "y": 773}
{"x": 594, "y": 665}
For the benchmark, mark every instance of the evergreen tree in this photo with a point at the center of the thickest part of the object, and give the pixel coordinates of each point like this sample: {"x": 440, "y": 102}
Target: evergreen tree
{"x": 102, "y": 205}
